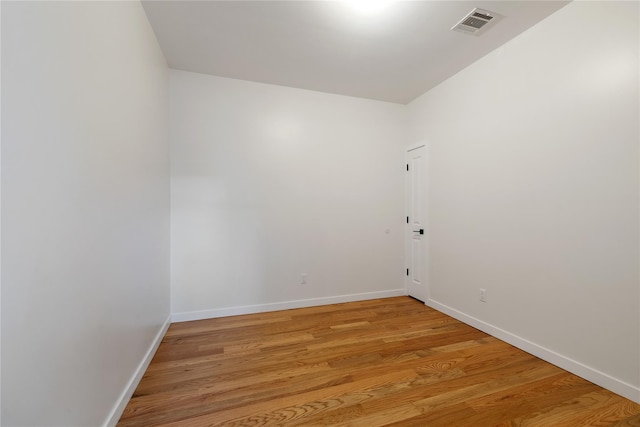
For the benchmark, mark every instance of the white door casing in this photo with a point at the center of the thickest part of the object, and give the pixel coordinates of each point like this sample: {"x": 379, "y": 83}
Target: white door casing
{"x": 416, "y": 223}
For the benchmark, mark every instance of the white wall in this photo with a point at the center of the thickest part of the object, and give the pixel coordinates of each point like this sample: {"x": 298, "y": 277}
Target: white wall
{"x": 0, "y": 214}
{"x": 85, "y": 207}
{"x": 533, "y": 187}
{"x": 269, "y": 182}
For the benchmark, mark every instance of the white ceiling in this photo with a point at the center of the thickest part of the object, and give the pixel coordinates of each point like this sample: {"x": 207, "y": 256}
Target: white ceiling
{"x": 325, "y": 46}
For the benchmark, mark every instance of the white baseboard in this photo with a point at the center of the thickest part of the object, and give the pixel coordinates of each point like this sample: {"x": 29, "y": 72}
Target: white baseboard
{"x": 603, "y": 380}
{"x": 121, "y": 403}
{"x": 285, "y": 305}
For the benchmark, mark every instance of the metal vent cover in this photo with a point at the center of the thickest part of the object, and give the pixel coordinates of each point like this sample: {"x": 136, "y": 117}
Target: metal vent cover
{"x": 476, "y": 22}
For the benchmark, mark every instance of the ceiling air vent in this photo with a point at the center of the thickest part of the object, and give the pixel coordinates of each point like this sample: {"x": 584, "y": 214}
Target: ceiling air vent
{"x": 476, "y": 22}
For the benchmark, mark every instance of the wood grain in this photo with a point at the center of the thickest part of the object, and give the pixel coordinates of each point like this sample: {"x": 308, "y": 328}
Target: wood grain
{"x": 385, "y": 362}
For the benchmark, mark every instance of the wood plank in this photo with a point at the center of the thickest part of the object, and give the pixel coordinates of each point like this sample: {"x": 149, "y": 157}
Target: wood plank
{"x": 390, "y": 361}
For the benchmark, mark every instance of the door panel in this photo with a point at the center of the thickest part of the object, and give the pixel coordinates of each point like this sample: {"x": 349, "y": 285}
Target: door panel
{"x": 416, "y": 231}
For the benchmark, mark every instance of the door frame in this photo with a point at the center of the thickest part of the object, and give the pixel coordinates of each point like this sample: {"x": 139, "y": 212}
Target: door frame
{"x": 425, "y": 193}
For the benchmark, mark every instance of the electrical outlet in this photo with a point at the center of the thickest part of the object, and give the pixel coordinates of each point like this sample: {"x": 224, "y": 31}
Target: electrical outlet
{"x": 483, "y": 295}
{"x": 303, "y": 279}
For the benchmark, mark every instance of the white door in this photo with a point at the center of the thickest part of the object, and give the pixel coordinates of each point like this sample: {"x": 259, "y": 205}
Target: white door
{"x": 416, "y": 230}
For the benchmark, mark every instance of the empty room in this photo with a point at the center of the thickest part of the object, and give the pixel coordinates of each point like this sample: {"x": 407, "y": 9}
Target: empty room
{"x": 339, "y": 213}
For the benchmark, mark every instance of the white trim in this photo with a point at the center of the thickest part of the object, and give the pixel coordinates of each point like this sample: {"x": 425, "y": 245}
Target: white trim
{"x": 615, "y": 385}
{"x": 123, "y": 400}
{"x": 285, "y": 305}
{"x": 415, "y": 146}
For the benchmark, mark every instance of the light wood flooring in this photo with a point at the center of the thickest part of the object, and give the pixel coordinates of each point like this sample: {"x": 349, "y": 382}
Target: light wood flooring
{"x": 385, "y": 362}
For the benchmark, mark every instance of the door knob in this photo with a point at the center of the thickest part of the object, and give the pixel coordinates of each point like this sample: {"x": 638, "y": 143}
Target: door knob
{"x": 421, "y": 231}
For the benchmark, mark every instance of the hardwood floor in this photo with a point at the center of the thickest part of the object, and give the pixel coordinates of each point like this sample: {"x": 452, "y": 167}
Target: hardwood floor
{"x": 386, "y": 362}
